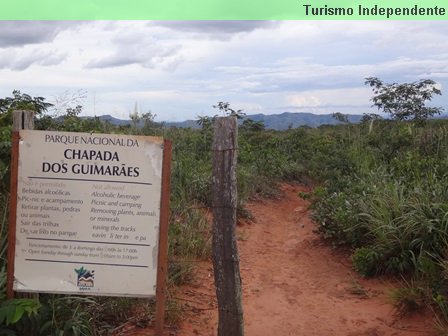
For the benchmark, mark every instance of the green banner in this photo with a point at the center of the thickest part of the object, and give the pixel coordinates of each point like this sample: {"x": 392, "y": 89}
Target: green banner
{"x": 223, "y": 10}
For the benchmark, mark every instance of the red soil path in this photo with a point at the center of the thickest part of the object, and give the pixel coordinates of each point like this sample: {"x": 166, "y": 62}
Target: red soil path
{"x": 295, "y": 284}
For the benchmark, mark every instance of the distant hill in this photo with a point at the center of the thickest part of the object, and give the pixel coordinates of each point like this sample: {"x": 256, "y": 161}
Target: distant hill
{"x": 114, "y": 121}
{"x": 273, "y": 121}
{"x": 292, "y": 120}
{"x": 284, "y": 120}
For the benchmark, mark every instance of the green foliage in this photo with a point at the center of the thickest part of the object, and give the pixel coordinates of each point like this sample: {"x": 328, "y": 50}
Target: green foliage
{"x": 190, "y": 235}
{"x": 12, "y": 311}
{"x": 225, "y": 108}
{"x": 365, "y": 260}
{"x": 405, "y": 101}
{"x": 64, "y": 315}
{"x": 250, "y": 125}
{"x": 370, "y": 117}
{"x": 409, "y": 298}
{"x": 343, "y": 118}
{"x": 3, "y": 233}
{"x": 23, "y": 101}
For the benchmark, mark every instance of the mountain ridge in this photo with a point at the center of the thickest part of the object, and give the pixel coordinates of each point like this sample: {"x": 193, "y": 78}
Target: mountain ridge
{"x": 278, "y": 122}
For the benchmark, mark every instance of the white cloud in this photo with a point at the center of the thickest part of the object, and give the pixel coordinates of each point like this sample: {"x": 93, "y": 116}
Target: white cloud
{"x": 303, "y": 100}
{"x": 19, "y": 61}
{"x": 181, "y": 69}
{"x": 352, "y": 97}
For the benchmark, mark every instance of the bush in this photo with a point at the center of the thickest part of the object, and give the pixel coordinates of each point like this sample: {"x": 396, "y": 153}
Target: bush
{"x": 365, "y": 260}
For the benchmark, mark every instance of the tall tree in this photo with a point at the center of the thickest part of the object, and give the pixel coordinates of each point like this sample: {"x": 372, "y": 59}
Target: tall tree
{"x": 21, "y": 101}
{"x": 405, "y": 101}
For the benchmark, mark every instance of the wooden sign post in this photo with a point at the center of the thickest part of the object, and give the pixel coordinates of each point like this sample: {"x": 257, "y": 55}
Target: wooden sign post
{"x": 89, "y": 215}
{"x": 21, "y": 120}
{"x": 162, "y": 272}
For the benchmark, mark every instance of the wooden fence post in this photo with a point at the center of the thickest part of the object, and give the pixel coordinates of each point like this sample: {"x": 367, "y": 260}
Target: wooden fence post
{"x": 21, "y": 119}
{"x": 225, "y": 251}
{"x": 162, "y": 263}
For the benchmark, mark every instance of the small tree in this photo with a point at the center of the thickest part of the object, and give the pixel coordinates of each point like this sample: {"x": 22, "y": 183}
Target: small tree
{"x": 225, "y": 108}
{"x": 369, "y": 117}
{"x": 343, "y": 118}
{"x": 405, "y": 101}
{"x": 250, "y": 125}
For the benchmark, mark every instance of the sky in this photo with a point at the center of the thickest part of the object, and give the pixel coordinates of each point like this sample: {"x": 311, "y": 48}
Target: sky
{"x": 179, "y": 69}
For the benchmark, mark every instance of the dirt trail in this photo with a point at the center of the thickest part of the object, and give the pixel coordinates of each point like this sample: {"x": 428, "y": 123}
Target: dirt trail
{"x": 294, "y": 284}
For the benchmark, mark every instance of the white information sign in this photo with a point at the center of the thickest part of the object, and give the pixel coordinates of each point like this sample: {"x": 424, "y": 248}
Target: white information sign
{"x": 88, "y": 211}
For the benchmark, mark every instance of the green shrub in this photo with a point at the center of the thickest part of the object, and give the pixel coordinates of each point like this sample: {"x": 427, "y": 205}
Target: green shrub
{"x": 365, "y": 260}
{"x": 13, "y": 311}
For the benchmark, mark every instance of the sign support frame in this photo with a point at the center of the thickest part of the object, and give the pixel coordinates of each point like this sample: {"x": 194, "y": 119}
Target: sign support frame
{"x": 12, "y": 214}
{"x": 162, "y": 263}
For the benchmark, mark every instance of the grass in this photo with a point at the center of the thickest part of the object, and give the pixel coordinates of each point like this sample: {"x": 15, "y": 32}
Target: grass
{"x": 357, "y": 289}
{"x": 408, "y": 299}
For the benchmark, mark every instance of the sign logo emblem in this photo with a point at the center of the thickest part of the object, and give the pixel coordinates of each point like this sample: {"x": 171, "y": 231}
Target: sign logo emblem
{"x": 85, "y": 278}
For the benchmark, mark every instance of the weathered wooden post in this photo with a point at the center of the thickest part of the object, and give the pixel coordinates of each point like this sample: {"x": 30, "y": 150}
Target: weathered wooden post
{"x": 162, "y": 274}
{"x": 225, "y": 251}
{"x": 21, "y": 119}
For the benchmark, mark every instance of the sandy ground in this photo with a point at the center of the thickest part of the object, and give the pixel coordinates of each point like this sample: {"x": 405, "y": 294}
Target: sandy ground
{"x": 295, "y": 284}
